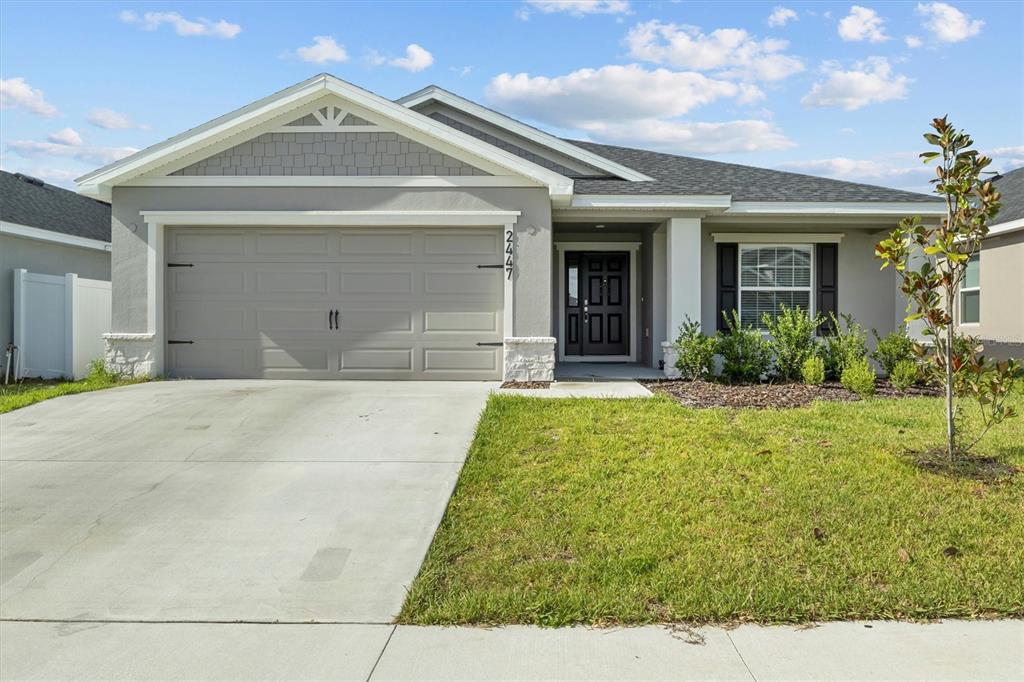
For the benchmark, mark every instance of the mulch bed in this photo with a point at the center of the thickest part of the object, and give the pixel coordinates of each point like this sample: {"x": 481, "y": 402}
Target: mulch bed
{"x": 526, "y": 384}
{"x": 764, "y": 396}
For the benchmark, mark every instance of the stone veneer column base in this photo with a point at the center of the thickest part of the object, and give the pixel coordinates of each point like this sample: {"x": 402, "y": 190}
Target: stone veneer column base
{"x": 670, "y": 353}
{"x": 530, "y": 358}
{"x": 130, "y": 355}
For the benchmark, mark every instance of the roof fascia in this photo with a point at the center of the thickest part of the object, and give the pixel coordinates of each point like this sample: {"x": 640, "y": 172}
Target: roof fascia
{"x": 44, "y": 235}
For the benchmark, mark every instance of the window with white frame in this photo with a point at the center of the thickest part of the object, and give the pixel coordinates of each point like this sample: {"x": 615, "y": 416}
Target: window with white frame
{"x": 772, "y": 275}
{"x": 970, "y": 292}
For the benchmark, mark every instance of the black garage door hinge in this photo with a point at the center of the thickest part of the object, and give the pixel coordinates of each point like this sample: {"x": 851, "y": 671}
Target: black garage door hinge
{"x": 181, "y": 265}
{"x": 494, "y": 343}
{"x": 499, "y": 265}
{"x": 175, "y": 341}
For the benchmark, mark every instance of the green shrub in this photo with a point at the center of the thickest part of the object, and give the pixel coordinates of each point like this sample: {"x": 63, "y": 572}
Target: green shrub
{"x": 696, "y": 352}
{"x": 746, "y": 356}
{"x": 859, "y": 377}
{"x": 813, "y": 371}
{"x": 892, "y": 349}
{"x": 791, "y": 340}
{"x": 904, "y": 374}
{"x": 843, "y": 346}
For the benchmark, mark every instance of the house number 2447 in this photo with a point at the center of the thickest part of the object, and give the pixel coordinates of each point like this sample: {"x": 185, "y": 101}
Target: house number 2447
{"x": 508, "y": 254}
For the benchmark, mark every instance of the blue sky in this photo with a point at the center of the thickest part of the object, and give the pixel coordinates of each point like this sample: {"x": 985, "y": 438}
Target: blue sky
{"x": 836, "y": 89}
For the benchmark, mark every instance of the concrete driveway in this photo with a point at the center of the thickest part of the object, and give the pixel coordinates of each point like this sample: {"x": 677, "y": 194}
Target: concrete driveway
{"x": 220, "y": 501}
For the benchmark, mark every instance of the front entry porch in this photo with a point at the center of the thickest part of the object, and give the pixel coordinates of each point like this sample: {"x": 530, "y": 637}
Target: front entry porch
{"x": 605, "y": 371}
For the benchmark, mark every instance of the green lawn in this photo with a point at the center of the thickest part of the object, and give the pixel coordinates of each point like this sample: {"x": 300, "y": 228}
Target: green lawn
{"x": 30, "y": 391}
{"x": 638, "y": 511}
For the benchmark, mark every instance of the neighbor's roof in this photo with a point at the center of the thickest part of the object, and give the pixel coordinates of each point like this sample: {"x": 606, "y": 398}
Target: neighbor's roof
{"x": 687, "y": 175}
{"x": 28, "y": 201}
{"x": 1011, "y": 186}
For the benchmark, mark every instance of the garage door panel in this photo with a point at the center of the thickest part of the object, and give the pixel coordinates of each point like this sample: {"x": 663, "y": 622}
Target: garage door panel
{"x": 377, "y": 283}
{"x": 292, "y": 319}
{"x": 439, "y": 322}
{"x": 311, "y": 359}
{"x": 376, "y": 243}
{"x": 460, "y": 359}
{"x": 296, "y": 281}
{"x": 296, "y": 243}
{"x": 206, "y": 242}
{"x": 211, "y": 359}
{"x": 480, "y": 282}
{"x": 411, "y": 302}
{"x": 377, "y": 359}
{"x": 458, "y": 243}
{"x": 206, "y": 280}
{"x": 207, "y": 318}
{"x": 375, "y": 321}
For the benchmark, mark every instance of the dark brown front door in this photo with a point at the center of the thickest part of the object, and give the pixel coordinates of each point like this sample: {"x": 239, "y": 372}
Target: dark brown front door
{"x": 597, "y": 303}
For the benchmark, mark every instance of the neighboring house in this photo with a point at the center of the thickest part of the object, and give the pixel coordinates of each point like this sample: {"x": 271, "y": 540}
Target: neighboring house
{"x": 49, "y": 231}
{"x": 991, "y": 305}
{"x": 327, "y": 232}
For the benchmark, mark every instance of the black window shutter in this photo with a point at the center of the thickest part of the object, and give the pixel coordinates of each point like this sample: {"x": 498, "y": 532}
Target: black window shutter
{"x": 728, "y": 282}
{"x": 827, "y": 295}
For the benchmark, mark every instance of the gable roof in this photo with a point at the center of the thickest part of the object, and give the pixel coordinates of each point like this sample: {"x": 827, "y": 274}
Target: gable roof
{"x": 566, "y": 147}
{"x": 34, "y": 203}
{"x": 692, "y": 176}
{"x": 271, "y": 108}
{"x": 1011, "y": 186}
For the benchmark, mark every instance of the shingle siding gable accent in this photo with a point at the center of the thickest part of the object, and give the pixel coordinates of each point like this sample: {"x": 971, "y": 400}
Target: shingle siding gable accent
{"x": 376, "y": 153}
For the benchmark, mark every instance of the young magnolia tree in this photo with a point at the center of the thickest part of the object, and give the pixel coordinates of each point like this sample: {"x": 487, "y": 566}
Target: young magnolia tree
{"x": 932, "y": 262}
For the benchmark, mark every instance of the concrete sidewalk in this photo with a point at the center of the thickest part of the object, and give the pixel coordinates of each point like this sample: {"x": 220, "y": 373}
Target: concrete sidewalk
{"x": 953, "y": 650}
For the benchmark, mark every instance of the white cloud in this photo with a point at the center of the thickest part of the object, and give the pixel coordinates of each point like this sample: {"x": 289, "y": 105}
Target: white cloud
{"x": 576, "y": 8}
{"x": 913, "y": 42}
{"x": 869, "y": 81}
{"x": 15, "y": 93}
{"x": 462, "y": 71}
{"x": 947, "y": 23}
{"x": 108, "y": 119}
{"x": 1007, "y": 158}
{"x": 901, "y": 170}
{"x": 416, "y": 59}
{"x": 324, "y": 49}
{"x": 781, "y": 15}
{"x": 151, "y": 21}
{"x": 84, "y": 153}
{"x": 686, "y": 137}
{"x": 847, "y": 131}
{"x": 611, "y": 93}
{"x": 862, "y": 24}
{"x": 732, "y": 52}
{"x": 68, "y": 136}
{"x": 54, "y": 176}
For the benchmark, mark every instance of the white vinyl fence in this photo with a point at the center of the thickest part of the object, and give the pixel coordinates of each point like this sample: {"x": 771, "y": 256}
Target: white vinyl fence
{"x": 59, "y": 322}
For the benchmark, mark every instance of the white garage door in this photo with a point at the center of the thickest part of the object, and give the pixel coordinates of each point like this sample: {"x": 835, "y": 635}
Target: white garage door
{"x": 323, "y": 303}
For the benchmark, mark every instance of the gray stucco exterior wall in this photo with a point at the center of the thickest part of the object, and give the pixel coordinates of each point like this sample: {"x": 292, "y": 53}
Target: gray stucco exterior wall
{"x": 378, "y": 153}
{"x": 44, "y": 258}
{"x": 533, "y": 243}
{"x": 1001, "y": 319}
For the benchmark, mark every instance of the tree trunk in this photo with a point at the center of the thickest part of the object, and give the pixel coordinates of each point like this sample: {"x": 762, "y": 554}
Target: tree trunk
{"x": 950, "y": 426}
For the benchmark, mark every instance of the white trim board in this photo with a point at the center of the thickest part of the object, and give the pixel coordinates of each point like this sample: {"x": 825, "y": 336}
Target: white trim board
{"x": 1004, "y": 228}
{"x": 777, "y": 237}
{"x": 515, "y": 127}
{"x": 826, "y": 208}
{"x": 362, "y": 102}
{"x": 41, "y": 235}
{"x": 333, "y": 181}
{"x": 334, "y": 218}
{"x": 675, "y": 201}
{"x": 633, "y": 248}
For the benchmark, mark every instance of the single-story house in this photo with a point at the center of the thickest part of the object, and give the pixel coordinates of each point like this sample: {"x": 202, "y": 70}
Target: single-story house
{"x": 328, "y": 232}
{"x": 991, "y": 305}
{"x": 48, "y": 230}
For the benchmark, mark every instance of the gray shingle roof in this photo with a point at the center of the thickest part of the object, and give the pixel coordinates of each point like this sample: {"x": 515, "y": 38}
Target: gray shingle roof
{"x": 1011, "y": 186}
{"x": 687, "y": 175}
{"x": 31, "y": 202}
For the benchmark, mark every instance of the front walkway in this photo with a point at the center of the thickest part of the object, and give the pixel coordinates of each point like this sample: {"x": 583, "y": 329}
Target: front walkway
{"x": 953, "y": 650}
{"x": 605, "y": 371}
